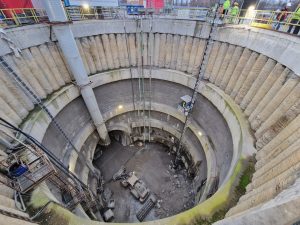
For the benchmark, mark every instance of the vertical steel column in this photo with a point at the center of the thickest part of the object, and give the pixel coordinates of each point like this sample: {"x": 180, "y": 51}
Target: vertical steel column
{"x": 66, "y": 41}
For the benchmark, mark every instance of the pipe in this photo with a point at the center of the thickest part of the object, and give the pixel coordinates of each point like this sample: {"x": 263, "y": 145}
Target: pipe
{"x": 16, "y": 196}
{"x": 66, "y": 41}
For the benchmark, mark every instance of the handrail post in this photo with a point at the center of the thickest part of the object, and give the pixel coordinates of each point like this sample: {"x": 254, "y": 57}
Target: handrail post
{"x": 14, "y": 17}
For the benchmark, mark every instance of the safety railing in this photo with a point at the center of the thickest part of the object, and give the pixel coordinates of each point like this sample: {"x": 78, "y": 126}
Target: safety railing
{"x": 257, "y": 18}
{"x": 79, "y": 13}
{"x": 267, "y": 19}
{"x": 19, "y": 17}
{"x": 185, "y": 13}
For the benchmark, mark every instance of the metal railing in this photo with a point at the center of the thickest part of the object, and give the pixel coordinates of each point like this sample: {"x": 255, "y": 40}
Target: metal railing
{"x": 266, "y": 19}
{"x": 24, "y": 16}
{"x": 257, "y": 18}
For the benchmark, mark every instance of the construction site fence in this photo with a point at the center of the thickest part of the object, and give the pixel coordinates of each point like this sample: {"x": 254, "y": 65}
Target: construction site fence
{"x": 257, "y": 18}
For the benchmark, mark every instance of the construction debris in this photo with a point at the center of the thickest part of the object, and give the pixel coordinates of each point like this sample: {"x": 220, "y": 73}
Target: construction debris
{"x": 108, "y": 215}
{"x": 111, "y": 204}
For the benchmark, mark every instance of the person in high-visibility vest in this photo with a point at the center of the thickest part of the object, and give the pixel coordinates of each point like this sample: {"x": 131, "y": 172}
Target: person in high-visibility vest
{"x": 295, "y": 21}
{"x": 234, "y": 11}
{"x": 226, "y": 6}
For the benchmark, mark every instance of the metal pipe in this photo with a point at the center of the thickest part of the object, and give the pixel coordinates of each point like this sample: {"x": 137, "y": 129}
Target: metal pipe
{"x": 66, "y": 41}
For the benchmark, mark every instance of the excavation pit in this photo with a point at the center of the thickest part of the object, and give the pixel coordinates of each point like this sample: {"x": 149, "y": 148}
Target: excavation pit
{"x": 151, "y": 163}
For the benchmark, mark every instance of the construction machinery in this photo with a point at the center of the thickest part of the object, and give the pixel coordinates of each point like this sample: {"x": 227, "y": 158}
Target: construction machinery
{"x": 137, "y": 187}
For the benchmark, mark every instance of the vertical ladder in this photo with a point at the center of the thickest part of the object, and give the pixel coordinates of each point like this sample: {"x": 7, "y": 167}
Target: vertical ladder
{"x": 146, "y": 84}
{"x": 149, "y": 86}
{"x": 141, "y": 77}
{"x": 200, "y": 77}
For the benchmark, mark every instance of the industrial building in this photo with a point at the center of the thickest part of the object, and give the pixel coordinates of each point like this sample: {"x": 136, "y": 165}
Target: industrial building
{"x": 134, "y": 114}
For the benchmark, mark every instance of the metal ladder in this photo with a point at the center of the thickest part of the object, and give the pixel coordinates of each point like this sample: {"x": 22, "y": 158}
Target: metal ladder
{"x": 141, "y": 77}
{"x": 30, "y": 93}
{"x": 45, "y": 166}
{"x": 149, "y": 91}
{"x": 200, "y": 77}
{"x": 146, "y": 84}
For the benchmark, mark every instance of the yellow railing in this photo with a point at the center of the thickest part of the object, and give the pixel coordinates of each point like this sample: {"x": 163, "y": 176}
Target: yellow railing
{"x": 266, "y": 19}
{"x": 22, "y": 16}
{"x": 257, "y": 18}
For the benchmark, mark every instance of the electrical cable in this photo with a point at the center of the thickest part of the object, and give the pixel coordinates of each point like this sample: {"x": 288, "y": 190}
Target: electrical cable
{"x": 130, "y": 66}
{"x": 30, "y": 93}
{"x": 150, "y": 76}
{"x": 197, "y": 83}
{"x": 141, "y": 76}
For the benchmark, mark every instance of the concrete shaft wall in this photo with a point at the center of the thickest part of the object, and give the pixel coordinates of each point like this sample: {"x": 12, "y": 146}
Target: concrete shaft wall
{"x": 262, "y": 82}
{"x": 269, "y": 94}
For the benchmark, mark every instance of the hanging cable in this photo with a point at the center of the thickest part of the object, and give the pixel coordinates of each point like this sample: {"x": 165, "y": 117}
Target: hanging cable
{"x": 142, "y": 77}
{"x": 150, "y": 75}
{"x": 36, "y": 100}
{"x": 130, "y": 64}
{"x": 197, "y": 84}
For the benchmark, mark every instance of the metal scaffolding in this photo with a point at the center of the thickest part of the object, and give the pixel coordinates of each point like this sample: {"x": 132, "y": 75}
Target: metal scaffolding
{"x": 31, "y": 163}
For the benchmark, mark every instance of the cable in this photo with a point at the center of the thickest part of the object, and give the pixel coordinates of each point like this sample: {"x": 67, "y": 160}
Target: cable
{"x": 142, "y": 78}
{"x": 197, "y": 83}
{"x": 150, "y": 77}
{"x": 130, "y": 69}
{"x": 30, "y": 93}
{"x": 42, "y": 209}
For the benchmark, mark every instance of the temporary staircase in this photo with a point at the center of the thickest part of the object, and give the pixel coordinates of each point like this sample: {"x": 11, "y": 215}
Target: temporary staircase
{"x": 9, "y": 209}
{"x": 29, "y": 165}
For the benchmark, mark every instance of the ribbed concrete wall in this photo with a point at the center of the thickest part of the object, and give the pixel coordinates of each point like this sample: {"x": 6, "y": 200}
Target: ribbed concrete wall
{"x": 269, "y": 95}
{"x": 169, "y": 51}
{"x": 42, "y": 68}
{"x": 267, "y": 91}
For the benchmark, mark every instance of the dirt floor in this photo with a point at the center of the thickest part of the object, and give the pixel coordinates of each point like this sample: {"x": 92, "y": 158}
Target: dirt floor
{"x": 151, "y": 163}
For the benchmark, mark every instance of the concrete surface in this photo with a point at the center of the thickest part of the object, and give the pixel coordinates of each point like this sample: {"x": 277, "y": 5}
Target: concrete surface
{"x": 275, "y": 120}
{"x": 176, "y": 193}
{"x": 281, "y": 47}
